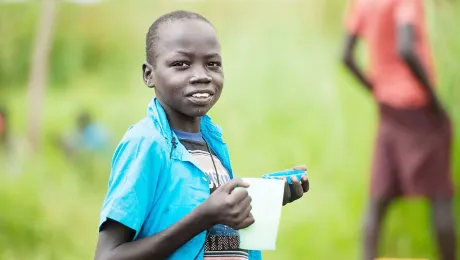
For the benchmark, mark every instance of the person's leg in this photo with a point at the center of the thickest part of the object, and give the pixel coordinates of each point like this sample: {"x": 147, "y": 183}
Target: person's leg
{"x": 442, "y": 208}
{"x": 426, "y": 171}
{"x": 443, "y": 223}
{"x": 384, "y": 184}
{"x": 374, "y": 217}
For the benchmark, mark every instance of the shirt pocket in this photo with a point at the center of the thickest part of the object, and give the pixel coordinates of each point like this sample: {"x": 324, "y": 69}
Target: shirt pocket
{"x": 188, "y": 187}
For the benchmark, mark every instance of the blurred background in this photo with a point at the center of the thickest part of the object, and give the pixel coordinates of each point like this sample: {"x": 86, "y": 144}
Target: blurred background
{"x": 287, "y": 100}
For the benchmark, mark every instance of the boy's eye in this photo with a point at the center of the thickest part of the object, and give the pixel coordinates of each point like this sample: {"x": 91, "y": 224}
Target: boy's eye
{"x": 182, "y": 64}
{"x": 214, "y": 64}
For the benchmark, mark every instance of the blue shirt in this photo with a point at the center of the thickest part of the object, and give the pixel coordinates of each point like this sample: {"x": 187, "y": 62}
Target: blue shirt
{"x": 154, "y": 181}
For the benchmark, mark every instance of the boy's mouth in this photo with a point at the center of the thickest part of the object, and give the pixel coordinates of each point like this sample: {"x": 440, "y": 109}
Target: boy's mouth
{"x": 201, "y": 95}
{"x": 200, "y": 98}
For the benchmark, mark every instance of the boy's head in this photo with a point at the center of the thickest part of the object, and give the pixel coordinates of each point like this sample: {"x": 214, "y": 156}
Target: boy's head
{"x": 184, "y": 64}
{"x": 83, "y": 119}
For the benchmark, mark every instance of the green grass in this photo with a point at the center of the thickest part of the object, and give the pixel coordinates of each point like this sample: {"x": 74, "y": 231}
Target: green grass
{"x": 286, "y": 101}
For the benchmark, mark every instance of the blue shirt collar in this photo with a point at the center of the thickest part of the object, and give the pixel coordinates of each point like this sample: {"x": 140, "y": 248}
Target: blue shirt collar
{"x": 158, "y": 114}
{"x": 210, "y": 131}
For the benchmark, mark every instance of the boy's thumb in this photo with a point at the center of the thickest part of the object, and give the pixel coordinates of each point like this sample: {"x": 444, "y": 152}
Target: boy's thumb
{"x": 231, "y": 185}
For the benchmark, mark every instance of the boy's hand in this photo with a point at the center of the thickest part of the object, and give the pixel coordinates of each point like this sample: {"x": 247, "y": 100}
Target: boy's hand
{"x": 296, "y": 190}
{"x": 230, "y": 206}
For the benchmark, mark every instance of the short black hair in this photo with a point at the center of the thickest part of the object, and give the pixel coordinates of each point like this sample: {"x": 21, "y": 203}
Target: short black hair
{"x": 152, "y": 35}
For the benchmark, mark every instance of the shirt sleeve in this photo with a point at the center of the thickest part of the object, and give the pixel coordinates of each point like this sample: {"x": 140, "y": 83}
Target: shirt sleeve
{"x": 409, "y": 12}
{"x": 354, "y": 18}
{"x": 136, "y": 167}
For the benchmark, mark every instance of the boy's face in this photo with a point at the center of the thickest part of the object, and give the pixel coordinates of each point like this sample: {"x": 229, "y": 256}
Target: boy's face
{"x": 83, "y": 120}
{"x": 187, "y": 73}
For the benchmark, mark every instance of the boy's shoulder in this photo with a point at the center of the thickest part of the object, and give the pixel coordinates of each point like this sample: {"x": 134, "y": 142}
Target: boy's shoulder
{"x": 144, "y": 130}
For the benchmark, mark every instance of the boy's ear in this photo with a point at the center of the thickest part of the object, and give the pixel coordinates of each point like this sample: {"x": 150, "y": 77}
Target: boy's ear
{"x": 147, "y": 73}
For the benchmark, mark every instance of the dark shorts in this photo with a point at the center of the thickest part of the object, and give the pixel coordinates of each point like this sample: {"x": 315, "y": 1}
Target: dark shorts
{"x": 412, "y": 155}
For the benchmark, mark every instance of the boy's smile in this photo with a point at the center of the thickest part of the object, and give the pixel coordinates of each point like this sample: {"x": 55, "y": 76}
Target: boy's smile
{"x": 201, "y": 97}
{"x": 187, "y": 72}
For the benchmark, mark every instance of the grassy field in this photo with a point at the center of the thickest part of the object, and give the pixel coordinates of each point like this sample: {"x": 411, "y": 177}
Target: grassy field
{"x": 287, "y": 101}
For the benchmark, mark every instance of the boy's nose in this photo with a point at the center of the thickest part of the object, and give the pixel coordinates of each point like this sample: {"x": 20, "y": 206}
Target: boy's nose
{"x": 203, "y": 79}
{"x": 200, "y": 76}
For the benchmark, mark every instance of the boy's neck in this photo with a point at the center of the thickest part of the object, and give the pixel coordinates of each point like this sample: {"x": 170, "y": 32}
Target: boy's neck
{"x": 183, "y": 123}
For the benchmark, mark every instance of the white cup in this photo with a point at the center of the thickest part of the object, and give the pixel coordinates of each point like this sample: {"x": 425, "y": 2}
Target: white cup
{"x": 267, "y": 202}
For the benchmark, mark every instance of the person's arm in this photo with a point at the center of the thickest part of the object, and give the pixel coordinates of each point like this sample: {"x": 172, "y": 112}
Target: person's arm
{"x": 116, "y": 240}
{"x": 409, "y": 14}
{"x": 354, "y": 26}
{"x": 406, "y": 50}
{"x": 348, "y": 59}
{"x": 225, "y": 206}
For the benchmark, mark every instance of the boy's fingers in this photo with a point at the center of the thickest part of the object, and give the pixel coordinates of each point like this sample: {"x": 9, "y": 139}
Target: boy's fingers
{"x": 297, "y": 188}
{"x": 239, "y": 196}
{"x": 246, "y": 222}
{"x": 305, "y": 184}
{"x": 231, "y": 185}
{"x": 300, "y": 167}
{"x": 246, "y": 213}
{"x": 287, "y": 191}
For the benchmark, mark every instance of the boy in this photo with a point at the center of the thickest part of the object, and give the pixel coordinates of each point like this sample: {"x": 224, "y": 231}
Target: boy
{"x": 412, "y": 156}
{"x": 158, "y": 204}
